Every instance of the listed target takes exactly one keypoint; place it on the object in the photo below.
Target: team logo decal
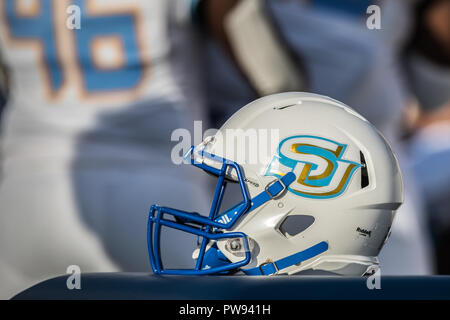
(317, 163)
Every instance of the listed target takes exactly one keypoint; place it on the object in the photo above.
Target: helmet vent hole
(364, 172)
(295, 224)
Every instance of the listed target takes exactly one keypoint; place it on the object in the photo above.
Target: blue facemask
(215, 226)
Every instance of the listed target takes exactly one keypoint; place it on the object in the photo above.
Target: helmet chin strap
(273, 267)
(272, 191)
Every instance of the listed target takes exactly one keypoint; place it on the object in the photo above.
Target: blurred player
(86, 132)
(3, 87)
(341, 58)
(428, 69)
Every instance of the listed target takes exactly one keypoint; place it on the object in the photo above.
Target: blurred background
(88, 115)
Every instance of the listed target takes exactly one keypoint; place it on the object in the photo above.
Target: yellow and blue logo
(317, 163)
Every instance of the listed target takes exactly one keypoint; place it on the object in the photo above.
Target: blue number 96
(107, 45)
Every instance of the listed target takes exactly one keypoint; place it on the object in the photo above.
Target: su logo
(317, 163)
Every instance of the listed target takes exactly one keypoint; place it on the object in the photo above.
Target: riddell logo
(363, 232)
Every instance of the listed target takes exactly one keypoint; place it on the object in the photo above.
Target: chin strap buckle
(267, 263)
(279, 193)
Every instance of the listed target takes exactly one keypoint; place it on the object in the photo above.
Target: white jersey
(86, 134)
(107, 78)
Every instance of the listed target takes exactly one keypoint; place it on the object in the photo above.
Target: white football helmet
(320, 188)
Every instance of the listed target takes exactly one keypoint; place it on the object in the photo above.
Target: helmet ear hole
(292, 225)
